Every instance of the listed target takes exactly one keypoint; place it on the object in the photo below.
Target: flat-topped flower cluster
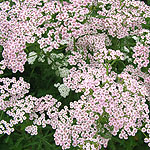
(97, 37)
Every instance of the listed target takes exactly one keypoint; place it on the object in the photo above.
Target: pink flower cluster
(26, 22)
(77, 125)
(141, 55)
(11, 91)
(20, 107)
(12, 88)
(15, 32)
(120, 17)
(118, 97)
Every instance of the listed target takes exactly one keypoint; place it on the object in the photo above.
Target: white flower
(64, 42)
(57, 84)
(45, 50)
(63, 72)
(136, 38)
(127, 57)
(49, 61)
(41, 58)
(60, 56)
(48, 49)
(126, 49)
(63, 90)
(32, 57)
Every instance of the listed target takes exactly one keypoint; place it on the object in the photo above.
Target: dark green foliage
(133, 143)
(20, 140)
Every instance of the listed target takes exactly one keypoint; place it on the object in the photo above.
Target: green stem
(143, 133)
(107, 68)
(1, 115)
(32, 55)
(114, 62)
(31, 74)
(74, 42)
